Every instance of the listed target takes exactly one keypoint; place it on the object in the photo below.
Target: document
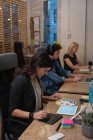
(83, 70)
(67, 109)
(56, 136)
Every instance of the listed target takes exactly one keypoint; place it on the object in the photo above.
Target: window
(50, 21)
(13, 24)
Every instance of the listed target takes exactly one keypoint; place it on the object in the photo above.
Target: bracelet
(31, 115)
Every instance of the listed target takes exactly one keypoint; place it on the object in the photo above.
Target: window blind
(13, 24)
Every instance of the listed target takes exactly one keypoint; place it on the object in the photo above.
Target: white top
(38, 94)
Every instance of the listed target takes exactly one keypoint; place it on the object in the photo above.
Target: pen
(58, 127)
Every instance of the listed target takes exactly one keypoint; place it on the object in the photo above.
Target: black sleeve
(18, 88)
(75, 58)
(66, 56)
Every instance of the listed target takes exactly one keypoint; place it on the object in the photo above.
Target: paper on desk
(56, 136)
(67, 110)
(83, 70)
(65, 101)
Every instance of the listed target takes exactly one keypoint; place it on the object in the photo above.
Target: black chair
(44, 44)
(1, 128)
(8, 62)
(40, 50)
(18, 48)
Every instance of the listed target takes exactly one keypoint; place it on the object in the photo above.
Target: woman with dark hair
(25, 101)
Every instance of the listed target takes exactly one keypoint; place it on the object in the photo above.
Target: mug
(90, 64)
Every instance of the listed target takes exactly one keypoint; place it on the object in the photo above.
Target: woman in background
(71, 61)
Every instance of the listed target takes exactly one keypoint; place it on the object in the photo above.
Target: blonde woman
(71, 62)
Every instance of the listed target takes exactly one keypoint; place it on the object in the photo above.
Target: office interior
(37, 23)
(70, 20)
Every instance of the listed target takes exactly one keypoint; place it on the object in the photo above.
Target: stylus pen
(58, 127)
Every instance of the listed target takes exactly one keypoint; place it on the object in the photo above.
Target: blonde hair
(71, 46)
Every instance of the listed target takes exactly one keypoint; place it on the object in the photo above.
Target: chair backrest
(8, 62)
(1, 127)
(40, 50)
(18, 48)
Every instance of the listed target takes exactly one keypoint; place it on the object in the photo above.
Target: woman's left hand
(54, 97)
(77, 78)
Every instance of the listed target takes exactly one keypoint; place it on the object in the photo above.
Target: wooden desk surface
(41, 131)
(75, 87)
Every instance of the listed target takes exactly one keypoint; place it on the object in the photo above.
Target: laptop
(86, 80)
(86, 71)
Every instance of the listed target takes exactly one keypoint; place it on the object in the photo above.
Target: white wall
(89, 31)
(34, 8)
(73, 21)
(70, 19)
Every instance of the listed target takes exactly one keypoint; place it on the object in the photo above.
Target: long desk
(75, 87)
(41, 131)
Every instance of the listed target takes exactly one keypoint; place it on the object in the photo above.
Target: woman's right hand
(77, 78)
(54, 97)
(39, 115)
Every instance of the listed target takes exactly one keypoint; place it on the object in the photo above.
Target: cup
(90, 64)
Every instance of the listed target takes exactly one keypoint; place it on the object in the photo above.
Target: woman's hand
(40, 115)
(84, 67)
(77, 78)
(54, 97)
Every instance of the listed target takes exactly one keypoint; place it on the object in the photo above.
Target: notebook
(53, 118)
(56, 136)
(67, 109)
(83, 70)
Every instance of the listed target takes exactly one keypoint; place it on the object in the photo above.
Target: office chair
(8, 63)
(18, 48)
(40, 50)
(1, 125)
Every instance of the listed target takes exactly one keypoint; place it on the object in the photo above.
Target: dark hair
(52, 48)
(42, 60)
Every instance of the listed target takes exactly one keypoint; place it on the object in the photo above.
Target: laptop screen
(88, 79)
